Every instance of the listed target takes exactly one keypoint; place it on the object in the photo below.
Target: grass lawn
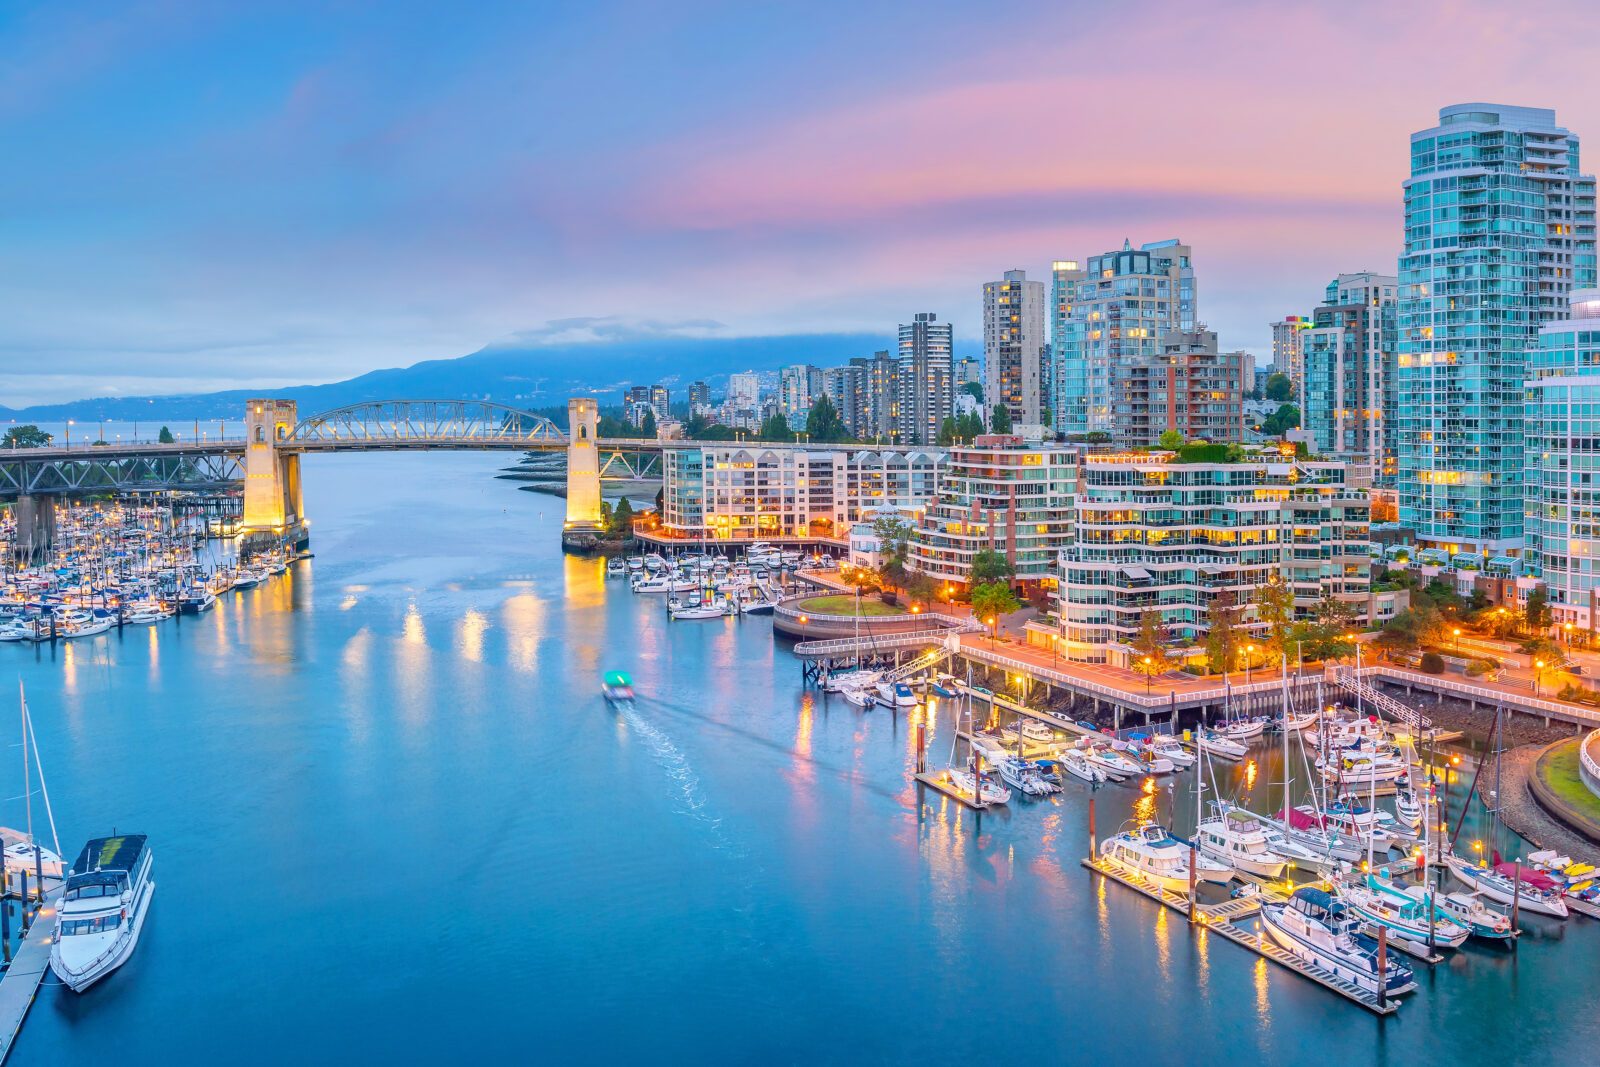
(845, 604)
(1559, 772)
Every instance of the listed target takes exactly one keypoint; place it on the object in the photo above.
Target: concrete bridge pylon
(583, 466)
(272, 495)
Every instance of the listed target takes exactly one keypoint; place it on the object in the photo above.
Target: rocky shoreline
(1522, 813)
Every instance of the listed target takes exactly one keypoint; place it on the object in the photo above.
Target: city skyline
(231, 201)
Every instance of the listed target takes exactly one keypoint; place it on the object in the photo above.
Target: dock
(20, 983)
(1222, 917)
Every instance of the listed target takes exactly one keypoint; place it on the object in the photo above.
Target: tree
(1223, 636)
(1170, 439)
(894, 542)
(1280, 422)
(1275, 607)
(1537, 610)
(29, 436)
(1000, 419)
(165, 437)
(1279, 387)
(775, 428)
(1150, 655)
(974, 390)
(647, 428)
(621, 521)
(1432, 663)
(991, 602)
(949, 430)
(823, 422)
(920, 587)
(970, 426)
(990, 566)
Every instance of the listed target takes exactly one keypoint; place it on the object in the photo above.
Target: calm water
(394, 821)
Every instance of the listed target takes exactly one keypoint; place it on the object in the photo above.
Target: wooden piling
(1383, 965)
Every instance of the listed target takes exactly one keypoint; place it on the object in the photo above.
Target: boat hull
(78, 981)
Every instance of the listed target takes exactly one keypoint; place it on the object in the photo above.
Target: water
(394, 821)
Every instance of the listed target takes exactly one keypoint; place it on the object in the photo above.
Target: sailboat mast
(27, 780)
(1286, 778)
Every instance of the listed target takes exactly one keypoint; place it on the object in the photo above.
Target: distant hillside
(529, 377)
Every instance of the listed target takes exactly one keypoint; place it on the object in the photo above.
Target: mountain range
(528, 376)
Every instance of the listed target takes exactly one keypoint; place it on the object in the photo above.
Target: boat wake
(693, 801)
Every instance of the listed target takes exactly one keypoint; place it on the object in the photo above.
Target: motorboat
(970, 783)
(860, 694)
(1074, 763)
(1240, 843)
(1149, 762)
(1222, 747)
(655, 583)
(943, 685)
(1025, 776)
(1152, 853)
(196, 601)
(837, 681)
(103, 909)
(144, 613)
(76, 622)
(1033, 730)
(1292, 851)
(1537, 893)
(1359, 767)
(1170, 748)
(617, 688)
(1402, 910)
(1115, 764)
(1408, 810)
(1321, 931)
(616, 567)
(1482, 919)
(896, 694)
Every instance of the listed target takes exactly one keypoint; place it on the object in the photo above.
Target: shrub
(1432, 663)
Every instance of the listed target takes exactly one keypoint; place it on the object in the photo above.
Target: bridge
(266, 460)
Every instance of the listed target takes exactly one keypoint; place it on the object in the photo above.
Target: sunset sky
(203, 195)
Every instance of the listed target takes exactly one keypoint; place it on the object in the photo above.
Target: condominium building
(758, 492)
(923, 374)
(1114, 309)
(841, 386)
(1189, 387)
(798, 388)
(1154, 533)
(1014, 349)
(1500, 226)
(699, 398)
(1286, 346)
(877, 402)
(1002, 495)
(1348, 354)
(741, 408)
(1562, 503)
(968, 371)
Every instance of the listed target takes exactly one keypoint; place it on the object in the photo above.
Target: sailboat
(22, 850)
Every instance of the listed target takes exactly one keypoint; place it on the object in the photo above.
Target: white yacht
(1076, 764)
(1499, 885)
(1170, 748)
(1242, 729)
(103, 909)
(1153, 854)
(1217, 745)
(1321, 931)
(1241, 843)
(967, 782)
(896, 695)
(22, 853)
(1025, 776)
(1114, 763)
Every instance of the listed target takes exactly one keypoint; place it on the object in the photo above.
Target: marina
(795, 803)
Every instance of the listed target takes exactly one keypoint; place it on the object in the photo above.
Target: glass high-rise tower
(1500, 226)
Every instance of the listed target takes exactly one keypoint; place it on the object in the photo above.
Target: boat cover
(1538, 879)
(618, 678)
(110, 854)
(1301, 821)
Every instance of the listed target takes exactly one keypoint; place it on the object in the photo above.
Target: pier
(20, 983)
(1221, 918)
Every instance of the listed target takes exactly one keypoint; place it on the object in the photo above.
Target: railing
(908, 639)
(1345, 678)
(1587, 764)
(1561, 709)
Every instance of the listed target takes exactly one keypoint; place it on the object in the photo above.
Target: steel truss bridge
(387, 425)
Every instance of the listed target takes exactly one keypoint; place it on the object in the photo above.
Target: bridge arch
(422, 422)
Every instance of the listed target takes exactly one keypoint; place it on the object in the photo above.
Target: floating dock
(20, 984)
(1221, 917)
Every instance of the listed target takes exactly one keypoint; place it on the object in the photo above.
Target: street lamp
(1249, 654)
(1149, 666)
(1457, 633)
(992, 631)
(1538, 669)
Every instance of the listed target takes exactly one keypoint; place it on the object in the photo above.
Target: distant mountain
(531, 376)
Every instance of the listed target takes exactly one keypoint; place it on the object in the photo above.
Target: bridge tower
(272, 501)
(583, 466)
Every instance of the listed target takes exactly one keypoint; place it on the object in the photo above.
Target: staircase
(918, 665)
(1346, 679)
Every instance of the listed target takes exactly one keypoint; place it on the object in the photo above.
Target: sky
(215, 195)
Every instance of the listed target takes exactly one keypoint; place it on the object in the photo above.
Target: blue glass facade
(1499, 228)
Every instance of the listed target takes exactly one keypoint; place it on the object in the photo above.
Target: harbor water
(394, 821)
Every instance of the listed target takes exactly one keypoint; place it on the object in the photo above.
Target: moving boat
(1153, 854)
(617, 688)
(1404, 911)
(1321, 931)
(103, 909)
(1241, 843)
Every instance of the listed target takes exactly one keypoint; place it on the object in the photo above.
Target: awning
(1136, 572)
(1212, 568)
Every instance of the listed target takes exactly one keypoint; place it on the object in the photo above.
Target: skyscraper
(922, 378)
(1117, 308)
(1347, 368)
(877, 402)
(1562, 503)
(1190, 387)
(798, 388)
(1500, 226)
(699, 398)
(1286, 346)
(1014, 349)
